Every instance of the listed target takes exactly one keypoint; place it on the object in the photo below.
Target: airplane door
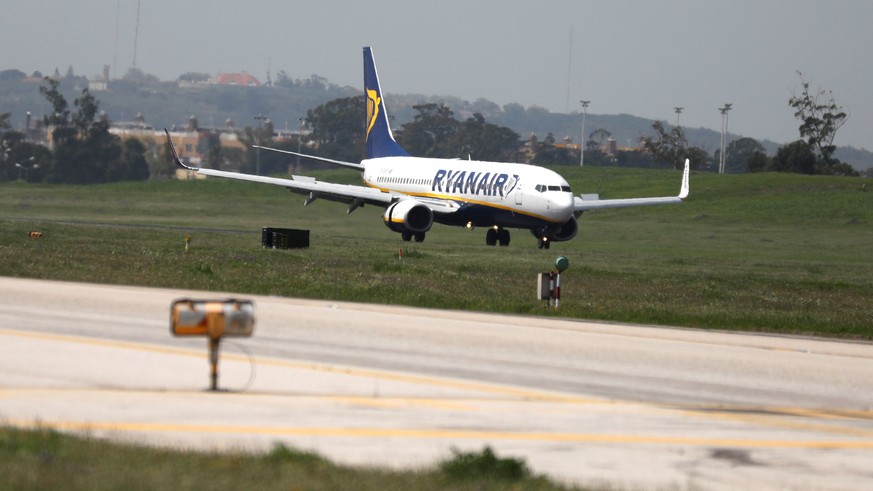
(518, 194)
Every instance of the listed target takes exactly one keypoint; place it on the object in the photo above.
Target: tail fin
(380, 140)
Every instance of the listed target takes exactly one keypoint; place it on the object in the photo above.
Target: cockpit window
(542, 188)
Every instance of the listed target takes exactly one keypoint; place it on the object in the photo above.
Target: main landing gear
(497, 235)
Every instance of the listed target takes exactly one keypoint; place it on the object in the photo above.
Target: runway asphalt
(637, 406)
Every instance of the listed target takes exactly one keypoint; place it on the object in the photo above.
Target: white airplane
(418, 192)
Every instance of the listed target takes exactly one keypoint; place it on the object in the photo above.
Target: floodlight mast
(724, 125)
(259, 137)
(582, 143)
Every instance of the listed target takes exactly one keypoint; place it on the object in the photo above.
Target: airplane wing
(580, 204)
(354, 196)
(343, 193)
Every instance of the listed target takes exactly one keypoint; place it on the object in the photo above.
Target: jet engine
(558, 233)
(566, 231)
(408, 216)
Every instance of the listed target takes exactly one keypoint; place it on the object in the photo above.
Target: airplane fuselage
(488, 193)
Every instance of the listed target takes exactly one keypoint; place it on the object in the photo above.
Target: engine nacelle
(558, 233)
(409, 216)
(566, 231)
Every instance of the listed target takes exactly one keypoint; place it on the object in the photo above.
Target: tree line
(435, 132)
(83, 150)
(813, 153)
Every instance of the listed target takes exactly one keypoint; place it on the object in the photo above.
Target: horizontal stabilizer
(342, 163)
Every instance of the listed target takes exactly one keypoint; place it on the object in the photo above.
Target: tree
(820, 118)
(36, 158)
(758, 162)
(137, 76)
(666, 147)
(429, 133)
(60, 115)
(797, 157)
(738, 153)
(597, 138)
(194, 77)
(699, 158)
(338, 128)
(134, 152)
(434, 132)
(548, 154)
(671, 147)
(484, 141)
(84, 149)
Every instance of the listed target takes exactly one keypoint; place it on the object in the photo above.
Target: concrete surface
(583, 402)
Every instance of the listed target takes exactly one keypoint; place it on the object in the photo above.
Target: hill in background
(167, 104)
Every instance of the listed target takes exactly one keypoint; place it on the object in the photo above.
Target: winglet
(174, 154)
(683, 193)
(380, 139)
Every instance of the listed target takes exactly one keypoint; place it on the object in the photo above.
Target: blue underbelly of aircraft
(487, 216)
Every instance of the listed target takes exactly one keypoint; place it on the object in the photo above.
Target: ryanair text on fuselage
(473, 183)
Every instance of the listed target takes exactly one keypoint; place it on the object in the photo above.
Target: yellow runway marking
(521, 393)
(399, 402)
(780, 419)
(770, 417)
(102, 343)
(426, 433)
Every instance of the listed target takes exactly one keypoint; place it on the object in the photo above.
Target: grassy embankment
(45, 459)
(763, 252)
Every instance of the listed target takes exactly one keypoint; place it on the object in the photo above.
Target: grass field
(44, 459)
(762, 252)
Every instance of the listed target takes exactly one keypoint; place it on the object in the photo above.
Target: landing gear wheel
(491, 237)
(419, 237)
(406, 236)
(543, 243)
(503, 237)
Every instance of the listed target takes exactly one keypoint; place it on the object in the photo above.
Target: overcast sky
(640, 57)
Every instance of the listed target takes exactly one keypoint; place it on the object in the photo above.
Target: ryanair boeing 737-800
(418, 192)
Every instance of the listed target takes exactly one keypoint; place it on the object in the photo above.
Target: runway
(581, 402)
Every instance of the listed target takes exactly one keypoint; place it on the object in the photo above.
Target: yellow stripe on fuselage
(449, 197)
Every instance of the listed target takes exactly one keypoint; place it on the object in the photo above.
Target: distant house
(241, 79)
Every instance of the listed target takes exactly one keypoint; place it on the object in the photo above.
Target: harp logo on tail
(373, 102)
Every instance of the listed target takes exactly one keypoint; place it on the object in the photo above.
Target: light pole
(300, 126)
(678, 110)
(724, 124)
(582, 143)
(26, 168)
(260, 118)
